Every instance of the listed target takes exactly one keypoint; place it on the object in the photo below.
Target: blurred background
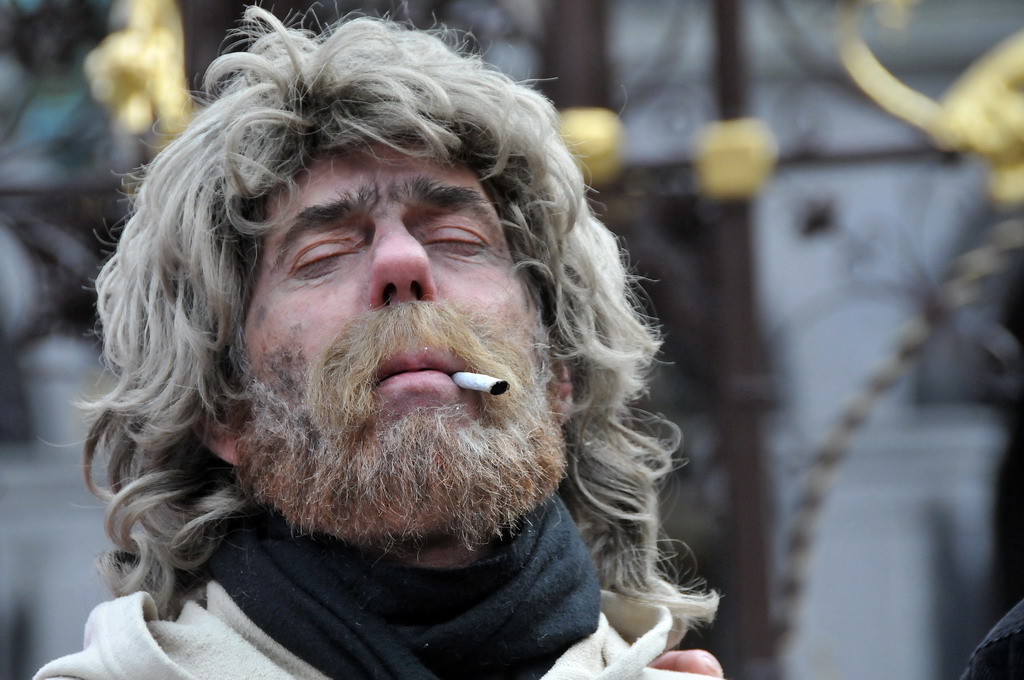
(797, 180)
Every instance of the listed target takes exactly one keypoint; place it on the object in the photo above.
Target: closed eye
(319, 258)
(464, 240)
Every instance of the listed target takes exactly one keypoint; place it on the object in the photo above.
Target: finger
(695, 661)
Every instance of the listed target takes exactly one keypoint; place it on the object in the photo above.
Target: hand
(690, 661)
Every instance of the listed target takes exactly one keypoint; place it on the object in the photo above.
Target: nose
(400, 269)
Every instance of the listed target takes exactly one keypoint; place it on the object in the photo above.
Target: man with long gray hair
(374, 360)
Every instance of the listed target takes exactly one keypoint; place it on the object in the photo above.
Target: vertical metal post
(206, 25)
(575, 52)
(741, 387)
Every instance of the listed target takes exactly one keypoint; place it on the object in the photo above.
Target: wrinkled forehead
(372, 178)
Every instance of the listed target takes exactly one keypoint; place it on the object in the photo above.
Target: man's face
(364, 233)
(383, 277)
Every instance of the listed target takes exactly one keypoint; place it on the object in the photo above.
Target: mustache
(342, 380)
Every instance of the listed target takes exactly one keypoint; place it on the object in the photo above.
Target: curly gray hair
(172, 299)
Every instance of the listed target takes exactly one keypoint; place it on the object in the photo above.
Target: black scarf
(510, 615)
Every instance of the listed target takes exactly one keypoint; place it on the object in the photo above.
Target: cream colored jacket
(124, 640)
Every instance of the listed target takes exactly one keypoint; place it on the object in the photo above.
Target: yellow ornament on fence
(982, 113)
(138, 72)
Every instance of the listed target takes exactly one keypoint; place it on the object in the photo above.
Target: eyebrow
(423, 191)
(319, 217)
(441, 196)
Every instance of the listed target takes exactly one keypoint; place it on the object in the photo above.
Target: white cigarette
(480, 382)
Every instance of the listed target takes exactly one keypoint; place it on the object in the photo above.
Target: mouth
(415, 362)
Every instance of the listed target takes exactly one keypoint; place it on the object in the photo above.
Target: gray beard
(320, 448)
(426, 475)
(429, 474)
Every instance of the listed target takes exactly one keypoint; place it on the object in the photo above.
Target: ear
(563, 391)
(220, 438)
